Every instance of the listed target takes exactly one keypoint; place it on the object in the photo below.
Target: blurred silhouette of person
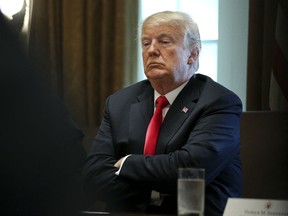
(40, 148)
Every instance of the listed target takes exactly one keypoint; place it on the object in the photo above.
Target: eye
(165, 42)
(145, 43)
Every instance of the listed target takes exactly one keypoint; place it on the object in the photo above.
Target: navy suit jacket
(205, 136)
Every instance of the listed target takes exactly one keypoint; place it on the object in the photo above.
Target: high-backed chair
(264, 151)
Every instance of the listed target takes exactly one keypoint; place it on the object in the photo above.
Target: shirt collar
(171, 96)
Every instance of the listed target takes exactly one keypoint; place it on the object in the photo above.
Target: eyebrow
(159, 36)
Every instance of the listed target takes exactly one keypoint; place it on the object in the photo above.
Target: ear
(193, 56)
(190, 60)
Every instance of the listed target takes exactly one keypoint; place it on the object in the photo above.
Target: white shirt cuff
(118, 172)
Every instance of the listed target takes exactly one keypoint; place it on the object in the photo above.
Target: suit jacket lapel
(140, 114)
(179, 111)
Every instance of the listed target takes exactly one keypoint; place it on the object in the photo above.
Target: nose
(153, 49)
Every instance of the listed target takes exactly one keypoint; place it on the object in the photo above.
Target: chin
(155, 74)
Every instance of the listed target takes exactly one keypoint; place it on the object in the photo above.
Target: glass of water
(191, 191)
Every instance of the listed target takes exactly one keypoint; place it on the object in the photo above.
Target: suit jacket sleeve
(101, 182)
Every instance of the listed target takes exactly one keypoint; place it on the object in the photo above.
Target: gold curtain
(81, 46)
(267, 75)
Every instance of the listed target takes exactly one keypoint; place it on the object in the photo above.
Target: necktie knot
(162, 102)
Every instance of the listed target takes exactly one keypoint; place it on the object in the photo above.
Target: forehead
(156, 30)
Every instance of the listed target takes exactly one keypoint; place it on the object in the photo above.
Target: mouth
(154, 65)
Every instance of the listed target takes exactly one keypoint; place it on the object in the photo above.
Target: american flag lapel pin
(185, 109)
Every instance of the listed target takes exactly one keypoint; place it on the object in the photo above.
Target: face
(165, 57)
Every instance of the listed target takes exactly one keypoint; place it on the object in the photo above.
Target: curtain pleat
(260, 40)
(81, 47)
(261, 92)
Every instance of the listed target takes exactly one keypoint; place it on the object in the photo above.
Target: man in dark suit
(200, 128)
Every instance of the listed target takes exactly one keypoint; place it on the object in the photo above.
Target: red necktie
(154, 126)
